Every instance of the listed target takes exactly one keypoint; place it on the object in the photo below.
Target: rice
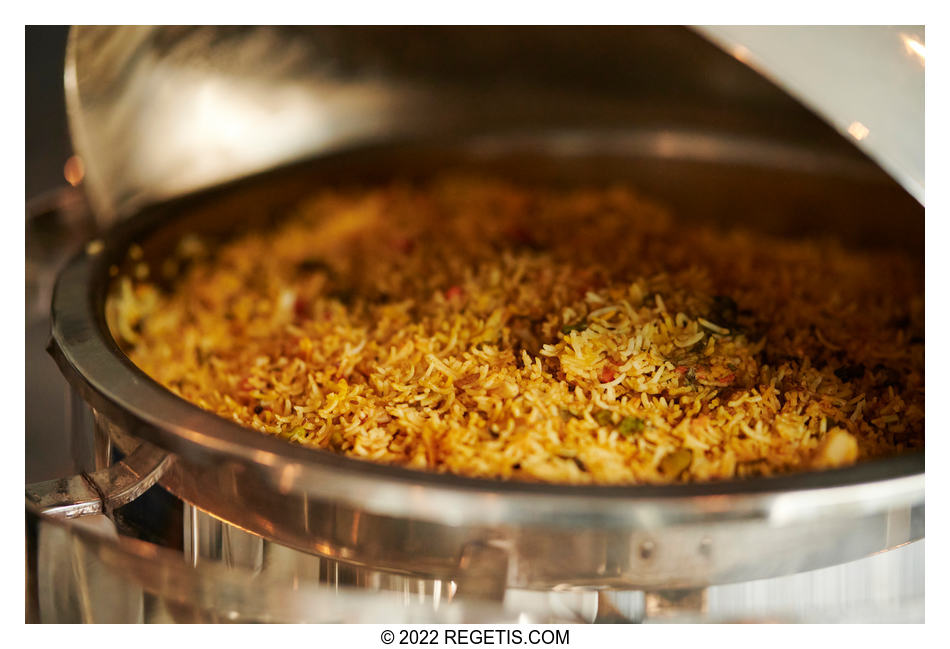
(487, 329)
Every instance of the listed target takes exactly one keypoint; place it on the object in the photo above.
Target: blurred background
(47, 136)
(47, 150)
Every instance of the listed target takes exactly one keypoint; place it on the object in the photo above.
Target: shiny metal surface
(867, 81)
(102, 491)
(88, 573)
(885, 587)
(235, 576)
(157, 112)
(552, 536)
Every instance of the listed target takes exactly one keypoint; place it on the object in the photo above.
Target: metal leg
(102, 491)
(83, 441)
(102, 444)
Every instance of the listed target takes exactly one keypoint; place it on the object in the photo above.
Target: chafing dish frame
(539, 536)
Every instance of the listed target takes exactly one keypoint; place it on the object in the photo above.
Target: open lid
(157, 112)
(867, 82)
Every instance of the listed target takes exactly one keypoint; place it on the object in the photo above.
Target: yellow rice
(488, 329)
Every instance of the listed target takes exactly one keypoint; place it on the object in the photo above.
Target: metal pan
(492, 533)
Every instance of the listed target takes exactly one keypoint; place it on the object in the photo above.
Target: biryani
(485, 328)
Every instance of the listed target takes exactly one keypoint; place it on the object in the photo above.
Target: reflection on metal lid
(875, 73)
(858, 130)
(914, 46)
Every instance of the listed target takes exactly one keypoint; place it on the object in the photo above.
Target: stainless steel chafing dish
(187, 129)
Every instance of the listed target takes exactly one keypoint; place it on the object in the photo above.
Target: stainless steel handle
(102, 491)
